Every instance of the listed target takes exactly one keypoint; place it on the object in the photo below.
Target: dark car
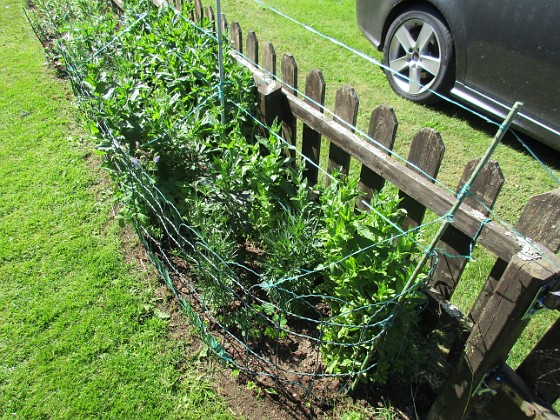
(489, 54)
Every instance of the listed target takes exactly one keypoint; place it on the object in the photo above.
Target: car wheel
(419, 56)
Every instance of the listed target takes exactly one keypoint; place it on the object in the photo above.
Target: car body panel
(505, 52)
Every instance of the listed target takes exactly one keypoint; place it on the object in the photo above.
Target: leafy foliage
(367, 263)
(260, 247)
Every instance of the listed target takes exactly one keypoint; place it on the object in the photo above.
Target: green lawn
(80, 333)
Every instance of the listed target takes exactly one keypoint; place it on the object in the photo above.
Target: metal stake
(462, 195)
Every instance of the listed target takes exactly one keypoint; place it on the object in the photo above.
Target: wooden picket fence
(521, 282)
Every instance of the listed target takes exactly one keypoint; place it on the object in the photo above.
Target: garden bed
(276, 266)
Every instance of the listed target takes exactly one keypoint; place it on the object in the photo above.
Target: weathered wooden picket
(521, 280)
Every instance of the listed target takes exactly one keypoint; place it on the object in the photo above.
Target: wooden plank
(426, 154)
(531, 222)
(209, 14)
(198, 11)
(491, 339)
(538, 221)
(346, 113)
(252, 48)
(455, 247)
(315, 88)
(289, 70)
(236, 35)
(489, 286)
(225, 26)
(269, 58)
(270, 104)
(383, 126)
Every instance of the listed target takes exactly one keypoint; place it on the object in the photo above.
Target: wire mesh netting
(281, 279)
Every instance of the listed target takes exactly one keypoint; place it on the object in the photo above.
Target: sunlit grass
(80, 332)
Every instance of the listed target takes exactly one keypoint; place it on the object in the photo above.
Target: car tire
(419, 56)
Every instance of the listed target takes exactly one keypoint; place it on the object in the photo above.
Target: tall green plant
(260, 249)
(366, 264)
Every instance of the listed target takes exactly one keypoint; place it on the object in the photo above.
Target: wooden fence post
(426, 153)
(315, 88)
(198, 11)
(270, 104)
(225, 26)
(269, 58)
(491, 339)
(237, 36)
(289, 78)
(289, 69)
(253, 48)
(538, 221)
(209, 14)
(383, 129)
(346, 111)
(455, 246)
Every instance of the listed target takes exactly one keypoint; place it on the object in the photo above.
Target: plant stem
(221, 59)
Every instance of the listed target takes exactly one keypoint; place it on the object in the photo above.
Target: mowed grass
(465, 135)
(80, 332)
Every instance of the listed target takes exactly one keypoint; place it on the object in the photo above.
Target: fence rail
(525, 277)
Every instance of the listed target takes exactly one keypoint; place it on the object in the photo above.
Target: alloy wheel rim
(415, 56)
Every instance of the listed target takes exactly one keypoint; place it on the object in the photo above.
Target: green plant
(260, 248)
(366, 265)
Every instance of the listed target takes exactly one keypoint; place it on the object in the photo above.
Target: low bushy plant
(261, 249)
(367, 262)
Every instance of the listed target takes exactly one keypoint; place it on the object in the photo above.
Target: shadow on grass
(545, 154)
